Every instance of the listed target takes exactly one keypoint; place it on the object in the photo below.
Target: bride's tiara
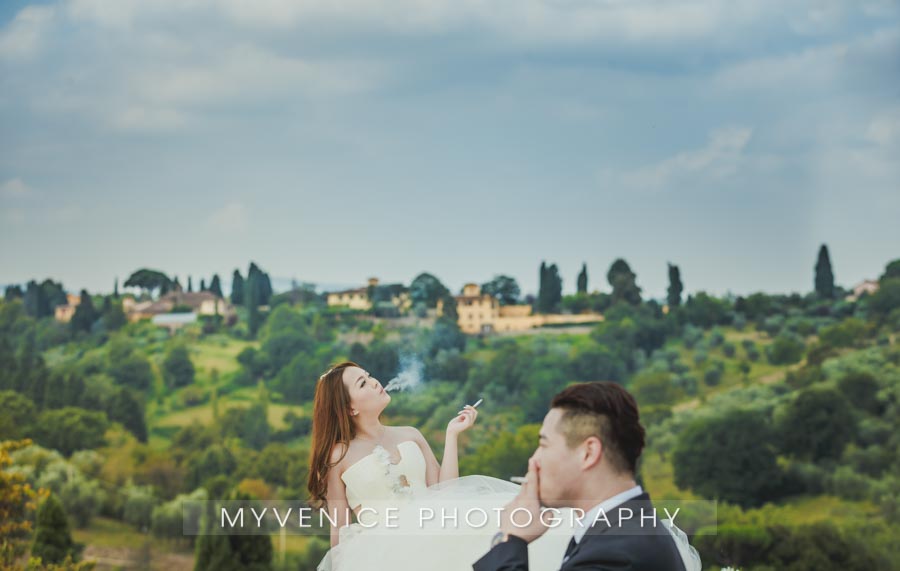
(325, 374)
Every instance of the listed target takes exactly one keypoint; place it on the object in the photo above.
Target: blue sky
(333, 141)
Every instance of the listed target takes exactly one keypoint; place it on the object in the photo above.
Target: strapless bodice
(374, 478)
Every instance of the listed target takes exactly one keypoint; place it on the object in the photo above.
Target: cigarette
(518, 479)
(473, 406)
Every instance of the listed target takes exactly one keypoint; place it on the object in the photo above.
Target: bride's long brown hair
(331, 425)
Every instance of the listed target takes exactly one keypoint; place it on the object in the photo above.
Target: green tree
(817, 425)
(149, 280)
(848, 333)
(33, 300)
(85, 315)
(125, 408)
(427, 289)
(70, 428)
(255, 431)
(215, 285)
(233, 552)
(258, 281)
(113, 317)
(728, 457)
(13, 292)
(504, 288)
(785, 350)
(675, 287)
(549, 299)
(623, 282)
(892, 270)
(654, 387)
(252, 291)
(210, 462)
(596, 362)
(178, 370)
(41, 299)
(18, 415)
(582, 281)
(131, 370)
(237, 288)
(449, 312)
(886, 300)
(824, 280)
(52, 537)
(861, 389)
(704, 310)
(505, 455)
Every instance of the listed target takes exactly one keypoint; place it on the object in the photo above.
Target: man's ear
(592, 452)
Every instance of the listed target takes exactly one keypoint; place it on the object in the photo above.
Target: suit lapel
(599, 527)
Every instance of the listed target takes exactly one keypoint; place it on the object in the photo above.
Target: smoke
(410, 375)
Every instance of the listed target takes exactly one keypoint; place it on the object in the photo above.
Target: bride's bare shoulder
(409, 433)
(339, 454)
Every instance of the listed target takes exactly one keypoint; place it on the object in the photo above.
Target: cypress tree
(824, 276)
(675, 287)
(85, 315)
(583, 279)
(541, 301)
(554, 289)
(52, 537)
(237, 288)
(251, 302)
(215, 285)
(125, 408)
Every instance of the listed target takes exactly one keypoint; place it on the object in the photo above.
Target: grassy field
(116, 546)
(204, 413)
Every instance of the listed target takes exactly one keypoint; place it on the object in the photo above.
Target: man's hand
(522, 516)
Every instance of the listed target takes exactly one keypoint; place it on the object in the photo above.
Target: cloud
(161, 84)
(249, 72)
(720, 158)
(13, 188)
(814, 68)
(136, 117)
(23, 37)
(884, 129)
(229, 218)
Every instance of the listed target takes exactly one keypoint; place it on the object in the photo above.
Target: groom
(589, 445)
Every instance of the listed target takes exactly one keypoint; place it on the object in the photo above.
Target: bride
(408, 507)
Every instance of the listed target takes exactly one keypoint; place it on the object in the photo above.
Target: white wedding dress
(406, 525)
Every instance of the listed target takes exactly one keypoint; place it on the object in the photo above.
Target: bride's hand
(464, 421)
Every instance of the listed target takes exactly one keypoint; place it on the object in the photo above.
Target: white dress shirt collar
(606, 506)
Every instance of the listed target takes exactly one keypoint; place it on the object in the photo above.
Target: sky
(330, 142)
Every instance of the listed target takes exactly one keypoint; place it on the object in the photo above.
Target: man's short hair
(607, 411)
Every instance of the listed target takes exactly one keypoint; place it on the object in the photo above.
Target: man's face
(560, 465)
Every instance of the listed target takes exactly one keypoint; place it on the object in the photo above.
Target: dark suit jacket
(624, 544)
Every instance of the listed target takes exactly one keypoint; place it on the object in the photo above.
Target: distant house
(196, 304)
(867, 287)
(482, 313)
(173, 321)
(64, 313)
(362, 298)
